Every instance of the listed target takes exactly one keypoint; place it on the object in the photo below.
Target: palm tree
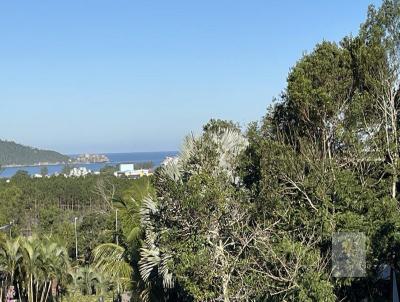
(151, 259)
(10, 256)
(55, 265)
(87, 279)
(121, 264)
(227, 143)
(74, 276)
(129, 208)
(31, 263)
(113, 262)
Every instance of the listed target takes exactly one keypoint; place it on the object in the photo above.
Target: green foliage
(217, 125)
(108, 170)
(119, 262)
(94, 229)
(112, 261)
(11, 209)
(48, 206)
(78, 297)
(318, 89)
(87, 281)
(32, 265)
(144, 165)
(252, 218)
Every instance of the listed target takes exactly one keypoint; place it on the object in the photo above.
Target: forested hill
(12, 153)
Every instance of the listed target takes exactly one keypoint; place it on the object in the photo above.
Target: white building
(128, 170)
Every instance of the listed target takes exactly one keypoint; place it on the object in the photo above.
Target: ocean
(115, 159)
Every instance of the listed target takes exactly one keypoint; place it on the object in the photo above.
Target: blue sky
(113, 76)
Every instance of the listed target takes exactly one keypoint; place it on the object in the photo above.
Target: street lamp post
(76, 240)
(11, 224)
(116, 225)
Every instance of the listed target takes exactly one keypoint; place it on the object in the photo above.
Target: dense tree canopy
(251, 218)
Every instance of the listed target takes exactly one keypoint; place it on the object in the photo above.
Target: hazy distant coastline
(80, 159)
(114, 159)
(35, 165)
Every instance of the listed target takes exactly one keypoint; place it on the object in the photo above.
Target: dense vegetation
(15, 154)
(49, 206)
(34, 265)
(247, 215)
(52, 207)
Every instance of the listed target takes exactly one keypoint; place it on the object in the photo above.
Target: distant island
(14, 154)
(91, 158)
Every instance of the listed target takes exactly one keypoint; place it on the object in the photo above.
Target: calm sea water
(115, 159)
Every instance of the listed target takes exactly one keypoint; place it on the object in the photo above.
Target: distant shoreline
(51, 164)
(44, 164)
(56, 167)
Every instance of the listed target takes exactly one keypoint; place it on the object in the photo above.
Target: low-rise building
(128, 170)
